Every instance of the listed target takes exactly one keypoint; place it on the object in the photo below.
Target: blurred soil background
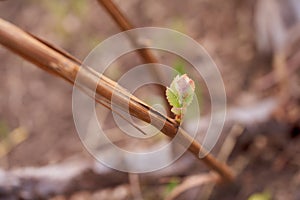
(36, 108)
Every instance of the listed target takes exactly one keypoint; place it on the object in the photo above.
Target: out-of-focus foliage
(173, 183)
(179, 66)
(260, 196)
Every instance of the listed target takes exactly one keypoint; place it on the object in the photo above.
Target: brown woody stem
(60, 63)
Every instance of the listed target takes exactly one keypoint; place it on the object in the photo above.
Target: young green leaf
(172, 98)
(180, 95)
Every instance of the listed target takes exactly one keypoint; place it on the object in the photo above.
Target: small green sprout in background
(260, 196)
(180, 95)
(172, 184)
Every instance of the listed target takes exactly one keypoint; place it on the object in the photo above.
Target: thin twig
(192, 182)
(135, 186)
(50, 59)
(148, 57)
(125, 25)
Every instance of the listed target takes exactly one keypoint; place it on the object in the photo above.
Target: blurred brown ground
(41, 103)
